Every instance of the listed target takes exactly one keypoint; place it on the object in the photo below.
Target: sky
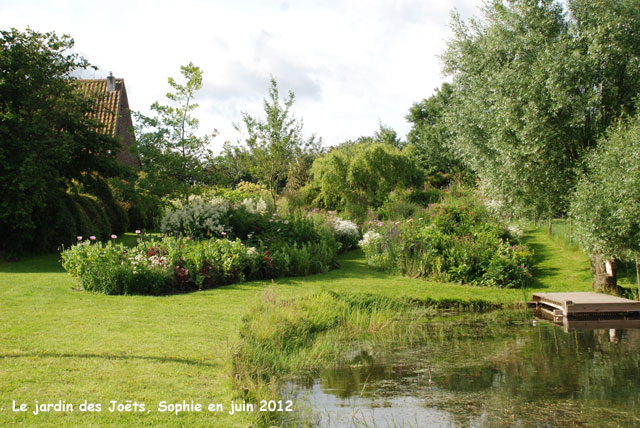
(351, 64)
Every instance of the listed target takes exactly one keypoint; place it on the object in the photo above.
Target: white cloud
(350, 63)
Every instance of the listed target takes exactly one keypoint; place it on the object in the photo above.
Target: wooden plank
(602, 307)
(599, 324)
(586, 302)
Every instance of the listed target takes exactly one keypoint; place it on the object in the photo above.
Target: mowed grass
(61, 343)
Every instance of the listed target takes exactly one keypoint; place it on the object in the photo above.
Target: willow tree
(534, 89)
(606, 204)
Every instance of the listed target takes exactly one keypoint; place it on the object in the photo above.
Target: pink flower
(79, 238)
(93, 238)
(114, 236)
(188, 238)
(138, 232)
(224, 233)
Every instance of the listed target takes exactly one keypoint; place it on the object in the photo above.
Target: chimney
(111, 83)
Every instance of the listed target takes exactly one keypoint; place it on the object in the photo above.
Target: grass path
(60, 343)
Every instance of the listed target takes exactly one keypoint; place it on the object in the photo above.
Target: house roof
(106, 112)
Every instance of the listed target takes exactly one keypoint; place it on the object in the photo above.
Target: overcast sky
(351, 64)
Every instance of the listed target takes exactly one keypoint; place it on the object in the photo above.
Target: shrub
(113, 269)
(200, 218)
(61, 228)
(83, 224)
(118, 218)
(455, 244)
(101, 227)
(142, 205)
(180, 264)
(346, 233)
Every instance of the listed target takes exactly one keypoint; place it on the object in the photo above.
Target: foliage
(533, 90)
(459, 244)
(170, 149)
(199, 218)
(431, 135)
(606, 203)
(361, 175)
(118, 218)
(141, 204)
(346, 233)
(113, 269)
(275, 144)
(46, 134)
(99, 221)
(182, 264)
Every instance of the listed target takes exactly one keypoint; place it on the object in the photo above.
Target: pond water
(487, 370)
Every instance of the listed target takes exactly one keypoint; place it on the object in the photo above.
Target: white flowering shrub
(515, 231)
(199, 218)
(370, 242)
(255, 207)
(346, 232)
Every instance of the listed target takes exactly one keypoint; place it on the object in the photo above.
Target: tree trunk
(638, 276)
(535, 220)
(605, 278)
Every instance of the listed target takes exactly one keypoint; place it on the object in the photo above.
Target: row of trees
(535, 87)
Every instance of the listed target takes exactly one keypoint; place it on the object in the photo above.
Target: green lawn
(61, 343)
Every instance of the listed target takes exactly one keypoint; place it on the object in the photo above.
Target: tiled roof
(106, 112)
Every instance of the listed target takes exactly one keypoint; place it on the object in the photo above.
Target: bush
(200, 218)
(457, 244)
(142, 206)
(118, 218)
(83, 224)
(113, 269)
(100, 225)
(180, 264)
(59, 226)
(346, 233)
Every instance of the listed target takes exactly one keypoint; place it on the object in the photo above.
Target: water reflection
(486, 370)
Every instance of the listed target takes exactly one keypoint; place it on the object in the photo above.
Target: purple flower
(92, 237)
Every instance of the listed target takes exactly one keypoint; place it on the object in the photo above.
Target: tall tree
(46, 136)
(534, 89)
(275, 142)
(430, 134)
(507, 127)
(170, 149)
(607, 202)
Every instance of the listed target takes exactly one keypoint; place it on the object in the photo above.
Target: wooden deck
(585, 304)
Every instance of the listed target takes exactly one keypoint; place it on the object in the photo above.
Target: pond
(482, 370)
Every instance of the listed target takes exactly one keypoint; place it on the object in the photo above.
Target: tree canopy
(275, 143)
(171, 150)
(430, 134)
(361, 174)
(606, 204)
(534, 88)
(46, 135)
